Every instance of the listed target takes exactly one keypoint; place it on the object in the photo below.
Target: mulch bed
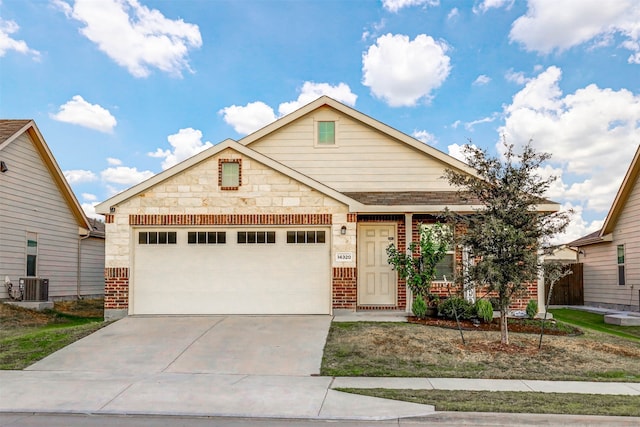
(524, 326)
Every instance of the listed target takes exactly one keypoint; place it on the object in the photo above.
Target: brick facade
(116, 288)
(344, 288)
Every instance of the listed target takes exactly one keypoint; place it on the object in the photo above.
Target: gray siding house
(44, 232)
(611, 256)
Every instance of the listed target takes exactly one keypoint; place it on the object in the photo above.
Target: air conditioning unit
(34, 288)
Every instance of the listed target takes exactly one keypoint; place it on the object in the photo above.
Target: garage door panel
(232, 278)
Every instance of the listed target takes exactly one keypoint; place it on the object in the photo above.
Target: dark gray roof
(8, 128)
(399, 198)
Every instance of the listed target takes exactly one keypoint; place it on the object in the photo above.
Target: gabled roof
(363, 118)
(105, 206)
(10, 130)
(589, 239)
(630, 179)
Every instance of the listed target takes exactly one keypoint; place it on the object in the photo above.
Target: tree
(552, 273)
(419, 269)
(503, 235)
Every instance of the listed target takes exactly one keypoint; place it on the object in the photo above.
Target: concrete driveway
(248, 345)
(243, 366)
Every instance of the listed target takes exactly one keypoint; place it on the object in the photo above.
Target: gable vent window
(229, 174)
(305, 237)
(326, 133)
(255, 237)
(157, 237)
(621, 277)
(207, 237)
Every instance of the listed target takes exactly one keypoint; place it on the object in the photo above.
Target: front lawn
(411, 350)
(513, 401)
(594, 321)
(27, 336)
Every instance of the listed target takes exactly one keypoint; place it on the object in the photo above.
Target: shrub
(532, 308)
(450, 306)
(419, 307)
(484, 310)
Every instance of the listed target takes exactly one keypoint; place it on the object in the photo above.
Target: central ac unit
(35, 288)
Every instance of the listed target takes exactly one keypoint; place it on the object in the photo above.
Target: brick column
(344, 288)
(116, 292)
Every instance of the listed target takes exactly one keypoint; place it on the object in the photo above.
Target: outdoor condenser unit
(35, 288)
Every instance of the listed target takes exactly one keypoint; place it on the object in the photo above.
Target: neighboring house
(562, 253)
(294, 218)
(44, 232)
(611, 256)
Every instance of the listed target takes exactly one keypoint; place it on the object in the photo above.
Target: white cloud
(396, 5)
(454, 13)
(516, 77)
(185, 144)
(90, 210)
(470, 125)
(77, 111)
(482, 80)
(578, 227)
(311, 91)
(550, 25)
(125, 175)
(7, 28)
(592, 135)
(79, 175)
(457, 151)
(249, 118)
(255, 115)
(485, 5)
(134, 36)
(402, 72)
(113, 161)
(424, 136)
(89, 197)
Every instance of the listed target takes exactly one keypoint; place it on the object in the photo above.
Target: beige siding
(363, 159)
(92, 266)
(30, 201)
(600, 263)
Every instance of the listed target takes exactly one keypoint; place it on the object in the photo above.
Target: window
(229, 174)
(253, 237)
(444, 269)
(305, 236)
(207, 237)
(326, 133)
(621, 278)
(32, 254)
(157, 237)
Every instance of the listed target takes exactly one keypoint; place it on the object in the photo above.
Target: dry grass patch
(408, 350)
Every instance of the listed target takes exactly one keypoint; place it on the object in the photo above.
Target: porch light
(3, 167)
(343, 230)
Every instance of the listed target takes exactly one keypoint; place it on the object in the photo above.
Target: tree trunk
(504, 332)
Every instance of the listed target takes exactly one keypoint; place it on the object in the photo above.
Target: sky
(123, 89)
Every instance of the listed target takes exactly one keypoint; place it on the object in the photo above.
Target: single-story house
(44, 233)
(611, 255)
(293, 218)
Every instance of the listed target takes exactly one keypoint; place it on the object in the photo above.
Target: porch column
(408, 235)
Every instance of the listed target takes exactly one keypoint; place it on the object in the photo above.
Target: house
(292, 219)
(611, 255)
(44, 233)
(563, 254)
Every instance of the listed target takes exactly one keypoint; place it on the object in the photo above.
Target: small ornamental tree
(504, 234)
(420, 269)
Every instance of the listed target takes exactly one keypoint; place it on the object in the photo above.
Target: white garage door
(231, 271)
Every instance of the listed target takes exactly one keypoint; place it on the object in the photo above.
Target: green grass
(513, 402)
(27, 336)
(595, 321)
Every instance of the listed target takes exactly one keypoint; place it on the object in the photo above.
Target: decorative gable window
(326, 133)
(229, 174)
(621, 278)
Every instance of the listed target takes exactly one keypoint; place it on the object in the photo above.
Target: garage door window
(309, 236)
(157, 238)
(207, 237)
(256, 237)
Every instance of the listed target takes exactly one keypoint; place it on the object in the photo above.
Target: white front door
(377, 283)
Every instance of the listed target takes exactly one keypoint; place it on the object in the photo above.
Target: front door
(377, 282)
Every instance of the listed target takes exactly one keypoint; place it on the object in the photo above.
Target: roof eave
(630, 178)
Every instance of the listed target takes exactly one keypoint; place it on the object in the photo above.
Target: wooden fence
(569, 290)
